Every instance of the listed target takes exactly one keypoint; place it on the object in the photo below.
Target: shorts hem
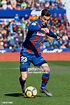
(41, 63)
(23, 70)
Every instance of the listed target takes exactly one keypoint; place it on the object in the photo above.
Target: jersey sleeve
(34, 26)
(51, 34)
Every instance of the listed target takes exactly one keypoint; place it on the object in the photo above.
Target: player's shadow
(14, 94)
(17, 95)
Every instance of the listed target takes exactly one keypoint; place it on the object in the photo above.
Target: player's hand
(58, 38)
(46, 30)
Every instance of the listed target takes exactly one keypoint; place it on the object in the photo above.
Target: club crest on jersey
(34, 23)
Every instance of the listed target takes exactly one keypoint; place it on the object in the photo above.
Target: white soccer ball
(31, 92)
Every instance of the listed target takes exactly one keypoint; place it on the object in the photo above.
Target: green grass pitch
(59, 85)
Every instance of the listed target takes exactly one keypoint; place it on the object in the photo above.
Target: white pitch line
(9, 68)
(30, 70)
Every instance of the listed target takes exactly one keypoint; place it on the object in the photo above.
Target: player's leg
(40, 62)
(46, 74)
(22, 79)
(45, 79)
(24, 65)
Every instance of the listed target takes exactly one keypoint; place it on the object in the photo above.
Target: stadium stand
(14, 27)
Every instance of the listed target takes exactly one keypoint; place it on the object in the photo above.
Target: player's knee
(45, 68)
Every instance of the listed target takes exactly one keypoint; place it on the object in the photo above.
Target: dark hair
(45, 12)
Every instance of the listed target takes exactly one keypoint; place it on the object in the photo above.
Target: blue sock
(45, 79)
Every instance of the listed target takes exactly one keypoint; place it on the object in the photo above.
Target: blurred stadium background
(15, 16)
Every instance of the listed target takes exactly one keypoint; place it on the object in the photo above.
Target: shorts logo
(23, 59)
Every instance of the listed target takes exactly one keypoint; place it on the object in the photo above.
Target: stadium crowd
(30, 4)
(13, 31)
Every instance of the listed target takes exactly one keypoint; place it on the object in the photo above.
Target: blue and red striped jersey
(35, 36)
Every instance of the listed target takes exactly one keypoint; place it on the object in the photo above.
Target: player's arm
(34, 26)
(50, 33)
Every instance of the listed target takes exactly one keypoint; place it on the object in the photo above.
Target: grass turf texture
(59, 85)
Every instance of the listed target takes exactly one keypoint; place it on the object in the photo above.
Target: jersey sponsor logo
(40, 34)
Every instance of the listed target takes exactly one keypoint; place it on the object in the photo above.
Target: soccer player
(30, 52)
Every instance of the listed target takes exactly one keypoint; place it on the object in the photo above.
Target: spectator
(14, 32)
(4, 4)
(16, 18)
(24, 4)
(1, 41)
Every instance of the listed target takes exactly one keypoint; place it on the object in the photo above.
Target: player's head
(45, 16)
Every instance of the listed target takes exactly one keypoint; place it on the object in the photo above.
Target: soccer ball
(30, 92)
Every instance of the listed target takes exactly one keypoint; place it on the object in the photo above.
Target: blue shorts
(27, 58)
